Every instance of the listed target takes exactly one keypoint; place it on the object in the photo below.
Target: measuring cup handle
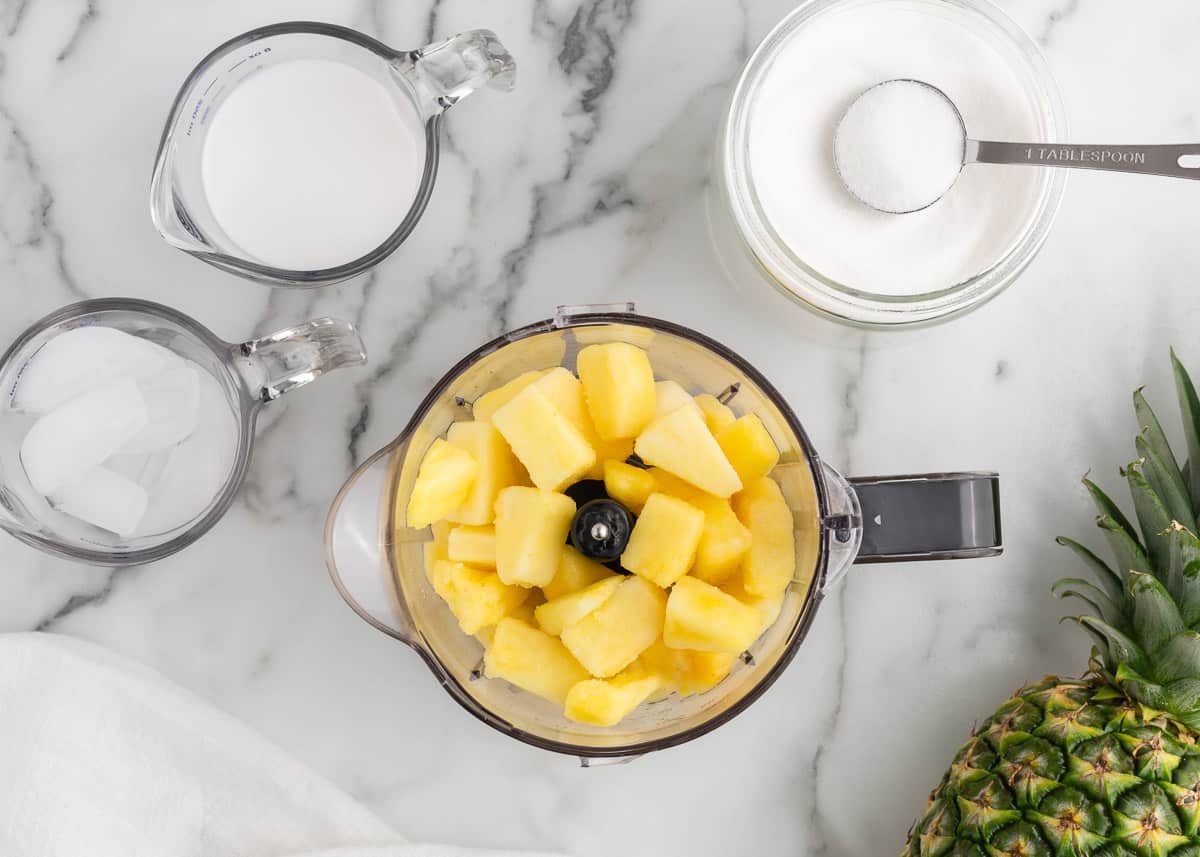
(929, 516)
(448, 71)
(291, 358)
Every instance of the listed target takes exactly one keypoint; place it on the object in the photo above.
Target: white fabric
(101, 757)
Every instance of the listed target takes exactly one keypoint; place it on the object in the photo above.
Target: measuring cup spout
(446, 72)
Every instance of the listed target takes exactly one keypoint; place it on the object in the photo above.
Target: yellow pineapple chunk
(663, 543)
(498, 469)
(749, 448)
(555, 615)
(553, 450)
(619, 385)
(524, 613)
(437, 548)
(770, 564)
(670, 395)
(681, 444)
(575, 571)
(702, 617)
(665, 483)
(628, 485)
(532, 660)
(531, 527)
(606, 702)
(723, 542)
(716, 415)
(493, 400)
(611, 637)
(474, 545)
(444, 480)
(477, 597)
(768, 609)
(565, 392)
(686, 671)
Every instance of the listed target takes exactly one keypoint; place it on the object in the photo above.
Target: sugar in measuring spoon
(901, 145)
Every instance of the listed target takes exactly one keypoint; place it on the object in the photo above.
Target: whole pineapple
(1106, 765)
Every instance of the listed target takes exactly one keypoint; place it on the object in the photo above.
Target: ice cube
(81, 434)
(144, 468)
(198, 468)
(172, 400)
(82, 359)
(104, 499)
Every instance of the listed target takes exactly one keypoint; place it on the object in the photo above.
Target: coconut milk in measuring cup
(303, 153)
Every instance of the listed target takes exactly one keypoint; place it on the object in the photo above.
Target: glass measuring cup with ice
(126, 427)
(303, 153)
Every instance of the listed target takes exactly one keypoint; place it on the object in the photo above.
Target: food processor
(376, 562)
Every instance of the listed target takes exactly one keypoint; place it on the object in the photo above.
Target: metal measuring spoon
(1176, 161)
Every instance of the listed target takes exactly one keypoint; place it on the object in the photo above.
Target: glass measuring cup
(247, 375)
(376, 562)
(424, 83)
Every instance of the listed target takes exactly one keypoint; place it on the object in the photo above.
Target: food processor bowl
(377, 564)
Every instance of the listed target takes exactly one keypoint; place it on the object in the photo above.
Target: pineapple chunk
(670, 396)
(575, 571)
(606, 702)
(702, 617)
(498, 469)
(663, 543)
(524, 613)
(555, 615)
(770, 564)
(444, 480)
(686, 671)
(681, 444)
(493, 400)
(716, 416)
(619, 385)
(611, 637)
(531, 527)
(474, 545)
(768, 609)
(565, 392)
(628, 485)
(749, 448)
(532, 660)
(551, 447)
(436, 549)
(723, 542)
(476, 596)
(665, 483)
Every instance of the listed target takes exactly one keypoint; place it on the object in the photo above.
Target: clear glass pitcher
(376, 563)
(424, 82)
(243, 378)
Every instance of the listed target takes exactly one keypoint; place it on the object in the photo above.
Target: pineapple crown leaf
(1143, 612)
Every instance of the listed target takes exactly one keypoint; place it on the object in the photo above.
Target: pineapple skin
(1067, 767)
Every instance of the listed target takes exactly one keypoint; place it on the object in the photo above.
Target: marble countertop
(586, 185)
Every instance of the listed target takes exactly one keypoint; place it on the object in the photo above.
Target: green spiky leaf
(1118, 648)
(1156, 619)
(1105, 507)
(1167, 484)
(1140, 687)
(1189, 410)
(1183, 572)
(1108, 578)
(1090, 594)
(1178, 659)
(1152, 515)
(1128, 551)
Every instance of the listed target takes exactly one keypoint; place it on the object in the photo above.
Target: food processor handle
(281, 362)
(929, 516)
(446, 72)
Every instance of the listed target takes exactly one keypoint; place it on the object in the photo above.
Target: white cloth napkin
(101, 757)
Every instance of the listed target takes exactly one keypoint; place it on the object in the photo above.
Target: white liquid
(311, 164)
(824, 65)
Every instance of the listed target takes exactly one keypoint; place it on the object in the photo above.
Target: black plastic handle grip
(929, 516)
